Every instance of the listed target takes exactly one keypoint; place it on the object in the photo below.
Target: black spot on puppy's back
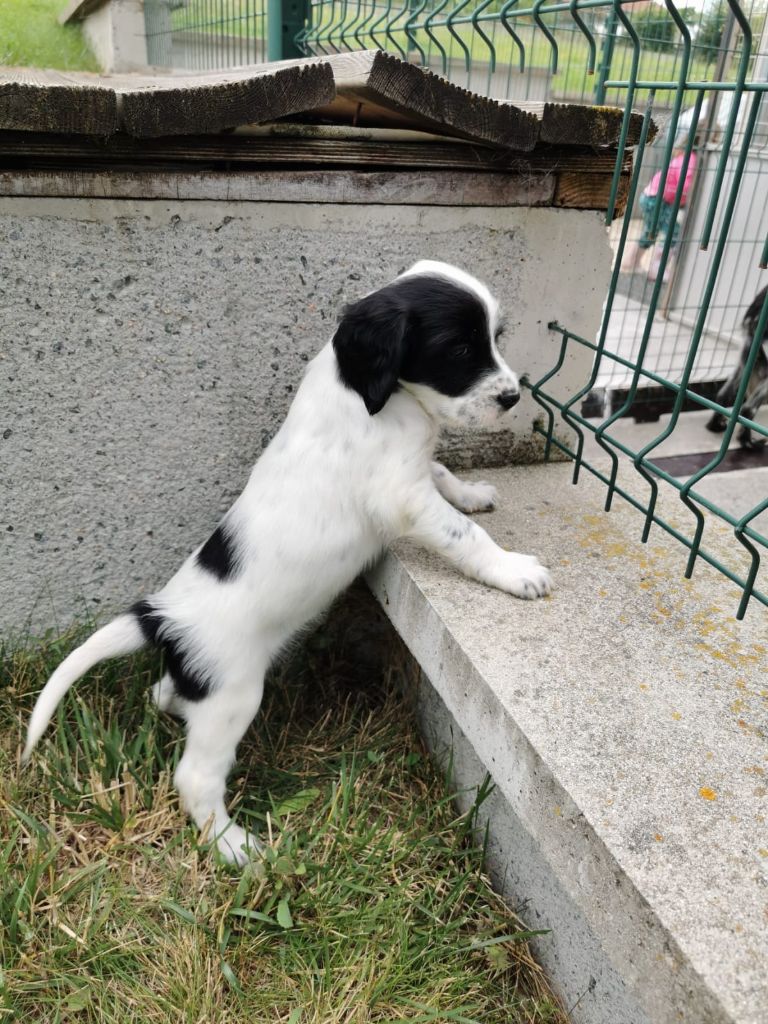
(148, 620)
(189, 683)
(217, 555)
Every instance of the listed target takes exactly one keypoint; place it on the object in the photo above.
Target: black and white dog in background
(348, 473)
(757, 390)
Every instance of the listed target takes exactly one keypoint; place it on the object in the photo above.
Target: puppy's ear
(370, 345)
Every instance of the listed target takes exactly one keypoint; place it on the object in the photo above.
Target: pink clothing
(673, 179)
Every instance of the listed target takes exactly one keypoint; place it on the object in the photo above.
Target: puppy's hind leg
(756, 396)
(215, 725)
(717, 422)
(166, 699)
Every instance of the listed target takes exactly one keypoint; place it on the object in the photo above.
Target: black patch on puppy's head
(423, 329)
(370, 346)
(450, 336)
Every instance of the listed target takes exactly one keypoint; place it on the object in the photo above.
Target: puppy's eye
(460, 351)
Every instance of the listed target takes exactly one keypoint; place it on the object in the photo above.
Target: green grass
(372, 907)
(30, 36)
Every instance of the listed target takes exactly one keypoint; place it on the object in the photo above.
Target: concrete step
(623, 722)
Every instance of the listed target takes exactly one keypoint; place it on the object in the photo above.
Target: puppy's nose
(508, 398)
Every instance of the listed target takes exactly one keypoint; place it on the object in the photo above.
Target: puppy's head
(432, 332)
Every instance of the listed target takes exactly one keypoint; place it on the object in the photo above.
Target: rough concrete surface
(149, 350)
(117, 35)
(590, 986)
(624, 721)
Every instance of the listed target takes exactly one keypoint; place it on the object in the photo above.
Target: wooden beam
(577, 124)
(264, 150)
(182, 104)
(55, 101)
(148, 106)
(579, 191)
(368, 87)
(376, 87)
(438, 188)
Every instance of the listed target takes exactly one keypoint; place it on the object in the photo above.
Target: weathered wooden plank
(154, 105)
(576, 124)
(281, 148)
(178, 105)
(369, 85)
(55, 101)
(590, 191)
(363, 88)
(439, 188)
(373, 87)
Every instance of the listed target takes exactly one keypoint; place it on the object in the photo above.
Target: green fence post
(285, 19)
(411, 44)
(606, 56)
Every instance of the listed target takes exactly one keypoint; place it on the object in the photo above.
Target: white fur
(121, 636)
(334, 488)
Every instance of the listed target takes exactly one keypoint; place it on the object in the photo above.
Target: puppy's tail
(121, 636)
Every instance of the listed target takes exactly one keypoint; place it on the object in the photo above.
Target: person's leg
(634, 248)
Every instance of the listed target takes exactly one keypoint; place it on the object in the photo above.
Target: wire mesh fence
(205, 34)
(680, 317)
(699, 307)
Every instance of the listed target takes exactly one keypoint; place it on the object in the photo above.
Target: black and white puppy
(348, 473)
(757, 390)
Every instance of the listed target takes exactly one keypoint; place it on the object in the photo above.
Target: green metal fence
(687, 267)
(676, 326)
(205, 34)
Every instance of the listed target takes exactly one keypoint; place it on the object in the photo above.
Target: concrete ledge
(623, 722)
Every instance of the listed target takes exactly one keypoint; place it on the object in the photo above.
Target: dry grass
(372, 907)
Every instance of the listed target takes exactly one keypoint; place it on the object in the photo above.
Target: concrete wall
(149, 350)
(115, 32)
(569, 949)
(97, 30)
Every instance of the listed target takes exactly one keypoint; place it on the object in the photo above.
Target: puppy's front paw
(476, 497)
(750, 443)
(716, 423)
(524, 576)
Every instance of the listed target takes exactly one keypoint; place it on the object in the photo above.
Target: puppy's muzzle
(508, 398)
